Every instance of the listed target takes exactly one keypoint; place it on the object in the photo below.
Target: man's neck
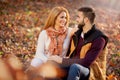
(86, 28)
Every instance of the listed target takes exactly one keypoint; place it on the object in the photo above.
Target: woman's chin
(62, 26)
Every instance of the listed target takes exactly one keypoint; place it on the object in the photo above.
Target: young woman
(54, 38)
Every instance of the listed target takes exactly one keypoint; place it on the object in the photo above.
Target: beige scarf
(57, 39)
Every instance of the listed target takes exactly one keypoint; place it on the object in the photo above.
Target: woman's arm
(40, 57)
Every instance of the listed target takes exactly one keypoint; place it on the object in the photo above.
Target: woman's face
(61, 19)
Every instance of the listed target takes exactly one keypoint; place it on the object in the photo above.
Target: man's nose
(77, 20)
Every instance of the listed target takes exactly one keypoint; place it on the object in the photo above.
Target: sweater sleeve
(91, 55)
(40, 56)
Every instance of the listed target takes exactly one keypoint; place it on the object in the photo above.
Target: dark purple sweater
(98, 44)
(96, 47)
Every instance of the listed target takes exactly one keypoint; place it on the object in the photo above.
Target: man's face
(80, 19)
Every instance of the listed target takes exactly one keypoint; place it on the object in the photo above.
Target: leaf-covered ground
(21, 21)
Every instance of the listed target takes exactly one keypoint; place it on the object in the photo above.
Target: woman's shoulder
(71, 31)
(43, 33)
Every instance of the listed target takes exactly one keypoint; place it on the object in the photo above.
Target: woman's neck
(57, 28)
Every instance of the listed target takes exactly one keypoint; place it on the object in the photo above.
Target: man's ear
(86, 20)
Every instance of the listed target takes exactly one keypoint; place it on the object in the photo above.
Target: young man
(87, 59)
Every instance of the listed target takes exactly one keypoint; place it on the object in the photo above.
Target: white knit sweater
(42, 52)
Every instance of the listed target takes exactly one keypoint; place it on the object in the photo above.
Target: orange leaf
(112, 64)
(110, 77)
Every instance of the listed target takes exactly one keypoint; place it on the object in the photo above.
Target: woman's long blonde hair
(50, 22)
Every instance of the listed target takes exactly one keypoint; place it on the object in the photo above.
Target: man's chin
(80, 25)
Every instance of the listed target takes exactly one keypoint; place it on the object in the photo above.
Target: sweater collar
(90, 32)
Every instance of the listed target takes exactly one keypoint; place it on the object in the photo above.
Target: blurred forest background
(21, 21)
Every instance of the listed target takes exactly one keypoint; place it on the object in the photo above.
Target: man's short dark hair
(88, 12)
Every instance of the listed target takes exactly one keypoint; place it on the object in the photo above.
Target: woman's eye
(63, 17)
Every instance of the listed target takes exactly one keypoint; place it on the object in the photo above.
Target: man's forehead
(80, 13)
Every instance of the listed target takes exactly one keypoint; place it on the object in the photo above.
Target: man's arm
(96, 47)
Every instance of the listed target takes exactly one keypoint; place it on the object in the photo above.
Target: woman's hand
(55, 58)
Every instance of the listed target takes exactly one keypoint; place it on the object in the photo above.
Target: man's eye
(78, 16)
